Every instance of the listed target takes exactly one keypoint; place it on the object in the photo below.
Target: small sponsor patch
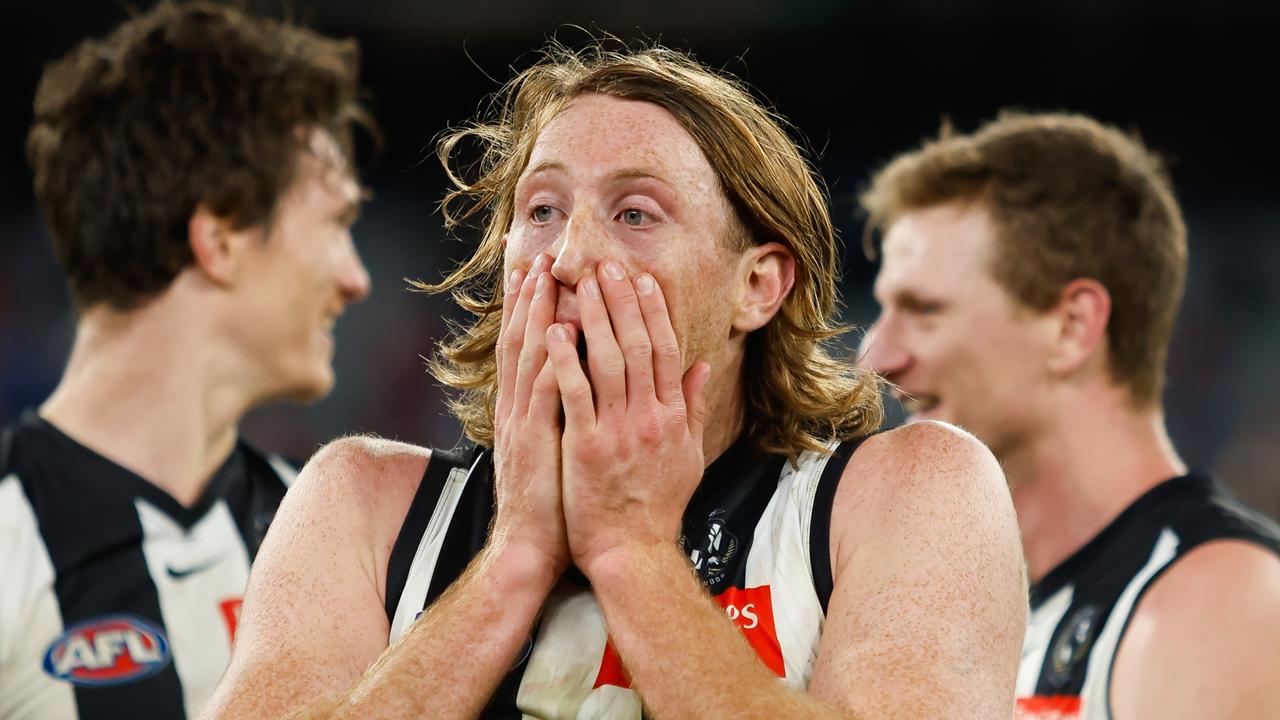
(1047, 707)
(107, 651)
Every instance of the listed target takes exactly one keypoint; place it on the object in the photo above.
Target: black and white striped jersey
(115, 600)
(1081, 609)
(756, 530)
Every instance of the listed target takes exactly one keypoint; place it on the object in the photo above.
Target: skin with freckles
(622, 245)
(621, 180)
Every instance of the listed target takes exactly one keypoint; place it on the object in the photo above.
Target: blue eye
(542, 213)
(633, 217)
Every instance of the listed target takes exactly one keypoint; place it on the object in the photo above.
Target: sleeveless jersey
(756, 531)
(115, 600)
(1080, 610)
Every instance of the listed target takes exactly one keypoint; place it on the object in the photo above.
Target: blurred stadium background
(861, 80)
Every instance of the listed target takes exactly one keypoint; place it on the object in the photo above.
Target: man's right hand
(529, 517)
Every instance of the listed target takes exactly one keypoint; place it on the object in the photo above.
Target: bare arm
(313, 617)
(452, 659)
(930, 603)
(1204, 642)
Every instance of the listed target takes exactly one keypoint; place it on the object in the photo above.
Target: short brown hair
(183, 105)
(797, 396)
(1071, 198)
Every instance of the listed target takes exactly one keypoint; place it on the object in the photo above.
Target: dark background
(862, 80)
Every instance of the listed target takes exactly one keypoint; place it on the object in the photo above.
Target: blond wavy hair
(796, 395)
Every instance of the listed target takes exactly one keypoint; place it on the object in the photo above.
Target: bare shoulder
(1220, 582)
(1249, 570)
(359, 487)
(929, 462)
(1206, 628)
(373, 476)
(925, 554)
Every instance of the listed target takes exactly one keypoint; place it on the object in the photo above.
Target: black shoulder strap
(820, 519)
(442, 463)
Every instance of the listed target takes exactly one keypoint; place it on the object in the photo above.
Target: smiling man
(1031, 276)
(674, 505)
(193, 170)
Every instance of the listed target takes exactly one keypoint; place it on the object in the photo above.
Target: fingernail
(590, 288)
(558, 333)
(544, 263)
(644, 284)
(614, 270)
(544, 282)
(513, 282)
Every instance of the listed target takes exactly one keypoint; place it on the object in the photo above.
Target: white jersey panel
(565, 660)
(29, 615)
(1095, 698)
(200, 575)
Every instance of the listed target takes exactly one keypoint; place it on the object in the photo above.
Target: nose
(582, 244)
(882, 349)
(353, 279)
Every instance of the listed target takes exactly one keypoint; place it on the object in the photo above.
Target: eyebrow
(631, 173)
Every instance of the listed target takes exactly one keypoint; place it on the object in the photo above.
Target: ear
(770, 273)
(1083, 311)
(219, 249)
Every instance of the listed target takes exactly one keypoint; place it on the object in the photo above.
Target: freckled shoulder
(930, 468)
(374, 478)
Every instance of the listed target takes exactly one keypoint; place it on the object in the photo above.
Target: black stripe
(468, 530)
(415, 523)
(253, 495)
(94, 539)
(820, 519)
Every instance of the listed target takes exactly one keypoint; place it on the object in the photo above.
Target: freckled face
(612, 179)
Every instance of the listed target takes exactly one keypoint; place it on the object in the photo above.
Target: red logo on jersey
(1048, 707)
(231, 615)
(107, 651)
(751, 610)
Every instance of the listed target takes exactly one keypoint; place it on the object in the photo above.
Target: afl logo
(107, 651)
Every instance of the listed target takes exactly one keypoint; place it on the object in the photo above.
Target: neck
(142, 389)
(724, 408)
(1082, 469)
